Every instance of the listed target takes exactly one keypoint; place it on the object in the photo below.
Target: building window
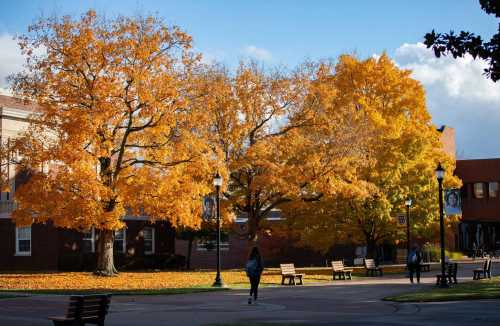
(149, 240)
(493, 189)
(479, 190)
(23, 241)
(120, 241)
(208, 245)
(89, 240)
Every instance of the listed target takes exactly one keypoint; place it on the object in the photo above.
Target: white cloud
(257, 53)
(458, 95)
(11, 59)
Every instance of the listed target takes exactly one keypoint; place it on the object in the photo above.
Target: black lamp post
(218, 184)
(408, 204)
(440, 176)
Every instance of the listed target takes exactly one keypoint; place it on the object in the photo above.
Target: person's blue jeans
(414, 268)
(254, 286)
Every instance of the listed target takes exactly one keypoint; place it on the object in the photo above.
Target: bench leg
(282, 280)
(300, 279)
(349, 276)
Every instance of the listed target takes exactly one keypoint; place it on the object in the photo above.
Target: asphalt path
(356, 302)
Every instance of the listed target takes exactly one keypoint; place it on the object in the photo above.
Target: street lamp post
(440, 177)
(218, 184)
(408, 204)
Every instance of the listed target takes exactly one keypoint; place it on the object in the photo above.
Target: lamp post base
(444, 285)
(218, 284)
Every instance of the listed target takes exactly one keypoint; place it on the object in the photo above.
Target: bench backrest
(370, 263)
(88, 306)
(287, 269)
(338, 265)
(452, 269)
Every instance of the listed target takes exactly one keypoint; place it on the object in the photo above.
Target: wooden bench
(340, 270)
(85, 309)
(450, 274)
(484, 272)
(371, 268)
(288, 272)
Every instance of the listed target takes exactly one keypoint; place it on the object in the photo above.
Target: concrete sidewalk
(340, 303)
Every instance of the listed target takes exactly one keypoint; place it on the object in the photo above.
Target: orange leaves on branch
(116, 122)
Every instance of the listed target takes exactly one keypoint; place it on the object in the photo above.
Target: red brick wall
(472, 171)
(448, 140)
(61, 249)
(43, 248)
(274, 249)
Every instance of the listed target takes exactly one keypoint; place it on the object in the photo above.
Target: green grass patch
(476, 290)
(167, 291)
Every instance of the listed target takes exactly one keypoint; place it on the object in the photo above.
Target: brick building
(480, 223)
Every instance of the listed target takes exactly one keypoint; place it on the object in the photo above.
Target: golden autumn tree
(115, 131)
(403, 152)
(279, 142)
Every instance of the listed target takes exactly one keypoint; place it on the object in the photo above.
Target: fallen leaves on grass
(133, 280)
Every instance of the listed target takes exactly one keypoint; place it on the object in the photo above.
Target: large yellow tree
(115, 131)
(281, 143)
(403, 152)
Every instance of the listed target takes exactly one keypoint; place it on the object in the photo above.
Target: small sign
(452, 204)
(401, 219)
(209, 205)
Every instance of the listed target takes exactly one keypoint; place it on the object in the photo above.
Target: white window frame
(490, 186)
(91, 239)
(124, 240)
(152, 241)
(479, 188)
(22, 253)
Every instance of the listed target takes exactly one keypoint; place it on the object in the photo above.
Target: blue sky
(288, 32)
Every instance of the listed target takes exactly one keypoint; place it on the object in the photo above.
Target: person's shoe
(249, 300)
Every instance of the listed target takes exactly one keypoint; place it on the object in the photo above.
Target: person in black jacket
(254, 268)
(414, 260)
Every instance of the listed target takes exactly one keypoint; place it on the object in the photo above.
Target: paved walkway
(341, 303)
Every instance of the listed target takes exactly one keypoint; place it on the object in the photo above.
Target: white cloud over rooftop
(458, 95)
(11, 60)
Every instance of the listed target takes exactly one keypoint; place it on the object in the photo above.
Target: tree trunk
(105, 262)
(253, 229)
(371, 247)
(190, 249)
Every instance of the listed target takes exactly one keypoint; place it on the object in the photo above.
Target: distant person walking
(414, 260)
(254, 268)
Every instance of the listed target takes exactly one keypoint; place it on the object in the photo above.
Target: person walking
(254, 268)
(414, 260)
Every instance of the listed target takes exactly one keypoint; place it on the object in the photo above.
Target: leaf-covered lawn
(484, 289)
(134, 282)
